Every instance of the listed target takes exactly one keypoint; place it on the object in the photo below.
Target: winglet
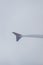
(18, 36)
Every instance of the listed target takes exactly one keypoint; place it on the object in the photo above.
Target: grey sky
(25, 17)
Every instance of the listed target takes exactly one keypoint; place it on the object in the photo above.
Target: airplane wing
(18, 36)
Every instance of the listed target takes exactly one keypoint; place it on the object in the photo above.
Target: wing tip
(18, 36)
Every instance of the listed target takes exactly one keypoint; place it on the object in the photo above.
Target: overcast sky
(25, 17)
